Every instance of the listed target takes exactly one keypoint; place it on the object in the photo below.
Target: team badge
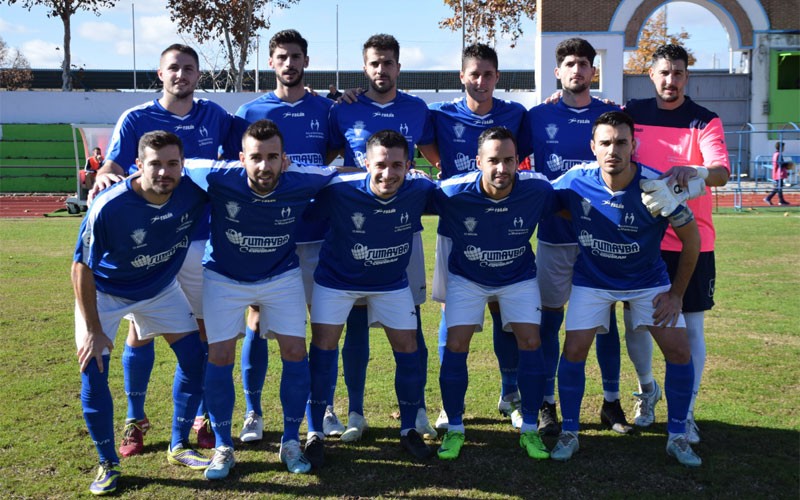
(358, 220)
(458, 129)
(587, 207)
(233, 209)
(470, 223)
(358, 128)
(551, 130)
(138, 236)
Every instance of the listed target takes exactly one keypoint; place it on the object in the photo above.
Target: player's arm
(431, 153)
(712, 175)
(332, 154)
(668, 305)
(95, 341)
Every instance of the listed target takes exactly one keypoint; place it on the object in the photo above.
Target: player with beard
(303, 120)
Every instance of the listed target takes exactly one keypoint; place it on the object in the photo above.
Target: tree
(654, 34)
(64, 9)
(483, 18)
(15, 71)
(236, 22)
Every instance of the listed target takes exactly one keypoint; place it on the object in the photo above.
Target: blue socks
(201, 408)
(220, 398)
(423, 358)
(295, 384)
(98, 409)
(187, 385)
(254, 369)
(320, 363)
(442, 337)
(571, 384)
(532, 375)
(355, 357)
(548, 332)
(607, 348)
(407, 385)
(507, 353)
(137, 363)
(678, 384)
(453, 382)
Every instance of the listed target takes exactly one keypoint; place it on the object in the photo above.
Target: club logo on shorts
(233, 210)
(470, 223)
(458, 129)
(358, 221)
(551, 130)
(138, 237)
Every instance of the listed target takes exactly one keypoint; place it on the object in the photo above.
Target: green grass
(748, 410)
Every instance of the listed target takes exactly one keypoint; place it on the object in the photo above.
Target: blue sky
(104, 42)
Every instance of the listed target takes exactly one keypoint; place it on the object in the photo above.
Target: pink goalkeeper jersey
(688, 135)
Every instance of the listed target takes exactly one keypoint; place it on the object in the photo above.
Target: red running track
(39, 205)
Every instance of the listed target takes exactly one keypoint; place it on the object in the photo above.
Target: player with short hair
(373, 218)
(457, 125)
(491, 215)
(685, 141)
(204, 127)
(130, 247)
(381, 107)
(557, 137)
(620, 260)
(303, 120)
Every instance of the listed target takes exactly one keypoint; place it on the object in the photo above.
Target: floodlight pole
(337, 45)
(133, 31)
(258, 46)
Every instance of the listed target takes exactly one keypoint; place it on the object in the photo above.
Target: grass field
(748, 412)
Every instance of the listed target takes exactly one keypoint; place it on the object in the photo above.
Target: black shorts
(699, 294)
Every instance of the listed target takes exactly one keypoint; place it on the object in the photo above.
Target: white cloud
(9, 27)
(42, 54)
(102, 32)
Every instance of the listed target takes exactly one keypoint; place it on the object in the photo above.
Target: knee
(220, 354)
(678, 354)
(296, 351)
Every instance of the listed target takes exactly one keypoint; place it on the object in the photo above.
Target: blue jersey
(491, 238)
(457, 128)
(619, 241)
(304, 127)
(352, 124)
(558, 136)
(252, 235)
(135, 248)
(369, 243)
(303, 124)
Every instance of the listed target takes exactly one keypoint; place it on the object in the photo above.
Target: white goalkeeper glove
(662, 197)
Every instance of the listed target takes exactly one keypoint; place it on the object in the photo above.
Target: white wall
(105, 107)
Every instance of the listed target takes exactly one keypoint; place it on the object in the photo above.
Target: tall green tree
(654, 34)
(64, 9)
(484, 19)
(234, 22)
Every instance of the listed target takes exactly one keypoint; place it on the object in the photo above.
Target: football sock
(442, 336)
(532, 375)
(571, 384)
(295, 384)
(453, 382)
(697, 346)
(407, 382)
(507, 353)
(355, 357)
(201, 408)
(607, 348)
(187, 385)
(137, 364)
(220, 398)
(320, 363)
(255, 360)
(640, 350)
(548, 332)
(423, 358)
(98, 409)
(678, 382)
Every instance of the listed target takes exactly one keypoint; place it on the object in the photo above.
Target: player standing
(130, 247)
(684, 141)
(457, 125)
(381, 107)
(619, 260)
(491, 216)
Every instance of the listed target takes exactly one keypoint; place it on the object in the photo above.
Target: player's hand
(682, 174)
(311, 90)
(554, 97)
(420, 173)
(92, 347)
(350, 95)
(658, 197)
(607, 101)
(102, 182)
(667, 309)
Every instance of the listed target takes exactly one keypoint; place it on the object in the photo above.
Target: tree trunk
(66, 79)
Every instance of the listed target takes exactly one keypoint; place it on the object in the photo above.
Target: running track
(39, 205)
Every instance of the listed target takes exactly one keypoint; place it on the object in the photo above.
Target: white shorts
(416, 271)
(280, 299)
(167, 312)
(190, 276)
(554, 271)
(444, 246)
(588, 308)
(466, 302)
(308, 254)
(394, 309)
